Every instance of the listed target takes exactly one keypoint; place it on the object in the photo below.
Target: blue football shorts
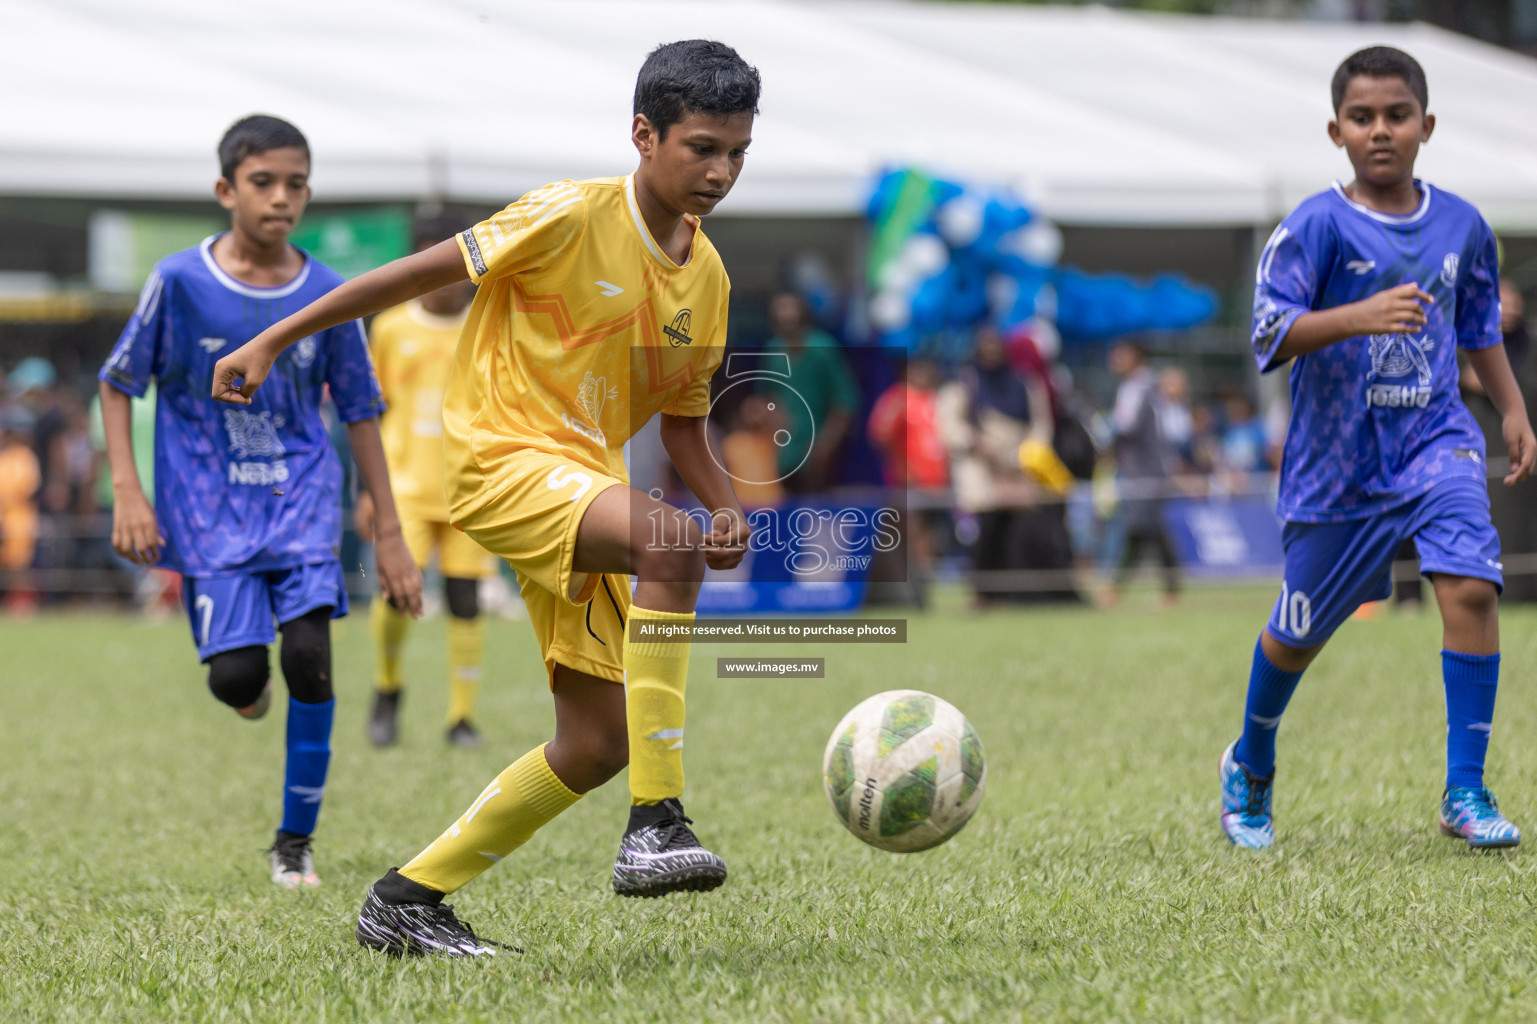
(227, 612)
(1334, 568)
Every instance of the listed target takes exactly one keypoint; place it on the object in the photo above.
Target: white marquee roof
(1109, 117)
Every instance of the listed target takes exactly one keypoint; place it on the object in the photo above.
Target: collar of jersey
(251, 291)
(645, 232)
(1387, 218)
(437, 321)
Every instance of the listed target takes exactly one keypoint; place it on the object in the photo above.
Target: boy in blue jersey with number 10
(248, 501)
(1369, 289)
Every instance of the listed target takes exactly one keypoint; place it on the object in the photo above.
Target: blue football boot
(1246, 817)
(1470, 813)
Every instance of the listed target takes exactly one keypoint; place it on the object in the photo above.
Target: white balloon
(1040, 242)
(960, 220)
(924, 255)
(890, 310)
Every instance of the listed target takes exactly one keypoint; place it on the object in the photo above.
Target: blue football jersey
(1377, 421)
(241, 488)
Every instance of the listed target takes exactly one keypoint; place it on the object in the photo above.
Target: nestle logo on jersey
(1398, 396)
(678, 329)
(260, 473)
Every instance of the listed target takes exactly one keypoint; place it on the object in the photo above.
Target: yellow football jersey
(581, 332)
(413, 353)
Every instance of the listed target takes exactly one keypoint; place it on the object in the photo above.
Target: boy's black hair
(694, 76)
(432, 230)
(1381, 62)
(255, 134)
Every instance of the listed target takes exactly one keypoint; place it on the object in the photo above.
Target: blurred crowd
(1017, 479)
(56, 494)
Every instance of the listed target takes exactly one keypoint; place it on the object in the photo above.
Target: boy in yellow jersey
(601, 304)
(413, 349)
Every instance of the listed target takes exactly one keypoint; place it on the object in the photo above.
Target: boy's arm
(399, 578)
(135, 533)
(1396, 310)
(389, 285)
(1493, 368)
(688, 446)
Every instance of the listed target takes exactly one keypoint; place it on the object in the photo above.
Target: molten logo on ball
(904, 771)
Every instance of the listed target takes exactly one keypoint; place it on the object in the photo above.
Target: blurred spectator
(1033, 348)
(984, 416)
(32, 384)
(904, 428)
(821, 376)
(1245, 444)
(19, 480)
(1143, 461)
(1175, 420)
(1205, 441)
(751, 453)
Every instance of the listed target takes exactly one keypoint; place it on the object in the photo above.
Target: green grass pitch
(1093, 884)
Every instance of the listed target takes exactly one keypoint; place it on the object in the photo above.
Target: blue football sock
(1269, 691)
(1471, 681)
(309, 754)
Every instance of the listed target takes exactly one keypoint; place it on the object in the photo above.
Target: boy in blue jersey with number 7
(248, 501)
(1369, 289)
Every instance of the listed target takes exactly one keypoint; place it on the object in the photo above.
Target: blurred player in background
(601, 305)
(248, 501)
(413, 349)
(1370, 288)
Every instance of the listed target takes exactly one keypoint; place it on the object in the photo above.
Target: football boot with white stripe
(419, 929)
(660, 854)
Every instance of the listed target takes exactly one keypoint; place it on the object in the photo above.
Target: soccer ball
(904, 771)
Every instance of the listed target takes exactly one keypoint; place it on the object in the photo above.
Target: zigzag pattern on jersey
(642, 315)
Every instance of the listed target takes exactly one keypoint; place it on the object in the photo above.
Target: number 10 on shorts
(1294, 614)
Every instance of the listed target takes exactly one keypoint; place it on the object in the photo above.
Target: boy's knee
(306, 656)
(681, 562)
(238, 677)
(1476, 597)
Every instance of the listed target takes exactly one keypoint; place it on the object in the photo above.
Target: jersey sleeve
(526, 235)
(380, 339)
(350, 373)
(1478, 293)
(1287, 282)
(693, 398)
(140, 352)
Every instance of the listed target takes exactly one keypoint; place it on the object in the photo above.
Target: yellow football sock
(518, 803)
(466, 651)
(655, 674)
(389, 632)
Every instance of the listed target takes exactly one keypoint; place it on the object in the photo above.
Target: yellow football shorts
(459, 557)
(578, 618)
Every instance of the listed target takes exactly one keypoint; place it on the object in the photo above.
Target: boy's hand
(135, 533)
(727, 542)
(363, 518)
(399, 579)
(1522, 447)
(248, 364)
(1397, 310)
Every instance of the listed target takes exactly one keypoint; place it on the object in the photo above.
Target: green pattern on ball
(909, 800)
(903, 720)
(971, 762)
(840, 773)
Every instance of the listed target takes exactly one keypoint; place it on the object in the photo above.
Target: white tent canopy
(1109, 117)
